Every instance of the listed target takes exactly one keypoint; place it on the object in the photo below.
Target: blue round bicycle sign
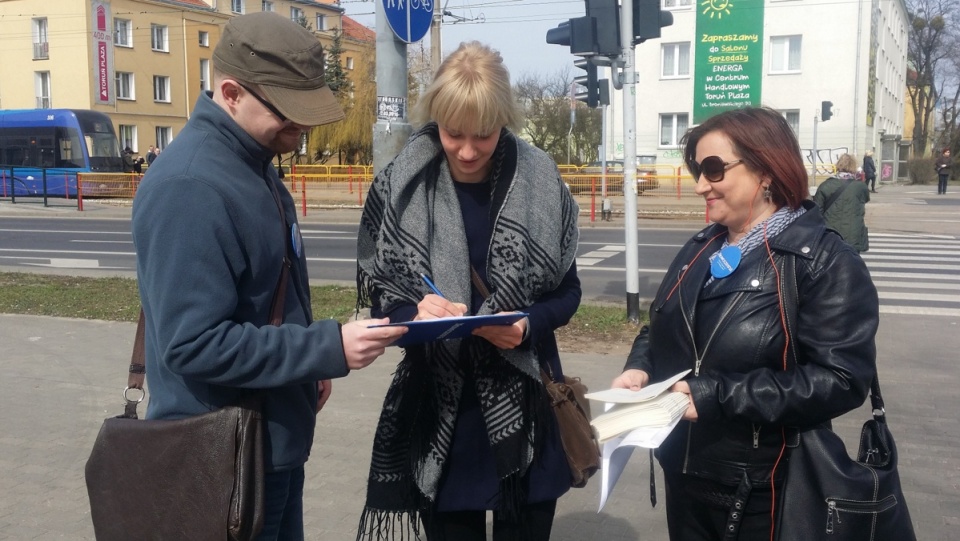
(409, 19)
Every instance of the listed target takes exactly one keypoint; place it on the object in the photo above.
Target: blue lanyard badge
(296, 240)
(725, 261)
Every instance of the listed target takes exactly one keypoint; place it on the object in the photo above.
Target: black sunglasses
(712, 168)
(271, 107)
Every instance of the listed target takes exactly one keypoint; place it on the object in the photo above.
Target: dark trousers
(872, 183)
(284, 506)
(690, 519)
(536, 521)
(942, 183)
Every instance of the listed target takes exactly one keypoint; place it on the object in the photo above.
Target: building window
(41, 45)
(672, 128)
(267, 6)
(164, 136)
(159, 38)
(296, 15)
(161, 88)
(785, 54)
(321, 22)
(676, 4)
(236, 6)
(128, 137)
(793, 118)
(204, 75)
(675, 60)
(122, 33)
(41, 83)
(204, 39)
(125, 88)
(349, 63)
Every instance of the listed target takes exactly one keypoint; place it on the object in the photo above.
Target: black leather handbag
(829, 495)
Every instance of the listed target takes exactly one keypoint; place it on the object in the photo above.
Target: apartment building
(142, 62)
(791, 55)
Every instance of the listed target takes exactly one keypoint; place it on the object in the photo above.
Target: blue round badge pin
(296, 240)
(725, 262)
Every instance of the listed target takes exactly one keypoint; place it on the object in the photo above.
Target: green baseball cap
(285, 60)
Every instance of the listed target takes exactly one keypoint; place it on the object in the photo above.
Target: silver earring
(767, 194)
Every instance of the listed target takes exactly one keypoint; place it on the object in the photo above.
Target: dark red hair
(764, 141)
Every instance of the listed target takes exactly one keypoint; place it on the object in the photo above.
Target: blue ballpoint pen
(431, 285)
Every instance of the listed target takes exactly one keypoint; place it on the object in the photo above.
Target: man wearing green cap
(210, 246)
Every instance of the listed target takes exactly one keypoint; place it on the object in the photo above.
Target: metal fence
(315, 186)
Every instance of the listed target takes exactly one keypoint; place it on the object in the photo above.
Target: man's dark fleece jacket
(210, 247)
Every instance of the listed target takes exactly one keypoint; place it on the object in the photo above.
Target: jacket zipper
(699, 361)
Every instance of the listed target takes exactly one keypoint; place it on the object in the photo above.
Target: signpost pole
(630, 162)
(398, 23)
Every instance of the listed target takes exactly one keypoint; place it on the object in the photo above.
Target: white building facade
(790, 55)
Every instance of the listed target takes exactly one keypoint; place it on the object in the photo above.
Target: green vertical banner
(729, 56)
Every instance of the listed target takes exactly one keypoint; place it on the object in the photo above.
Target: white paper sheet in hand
(626, 396)
(616, 453)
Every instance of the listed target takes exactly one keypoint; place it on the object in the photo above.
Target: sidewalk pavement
(62, 377)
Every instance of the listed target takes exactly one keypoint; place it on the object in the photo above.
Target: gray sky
(517, 28)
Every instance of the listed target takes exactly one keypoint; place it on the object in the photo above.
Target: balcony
(41, 51)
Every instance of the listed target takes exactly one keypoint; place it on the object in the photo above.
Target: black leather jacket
(730, 334)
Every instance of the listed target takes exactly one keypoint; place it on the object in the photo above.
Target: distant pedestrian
(151, 155)
(943, 171)
(870, 171)
(842, 200)
(128, 161)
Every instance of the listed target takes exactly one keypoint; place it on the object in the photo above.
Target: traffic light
(603, 91)
(598, 33)
(825, 110)
(648, 19)
(606, 13)
(590, 91)
(579, 34)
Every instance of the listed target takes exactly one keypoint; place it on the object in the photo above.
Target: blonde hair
(471, 92)
(847, 164)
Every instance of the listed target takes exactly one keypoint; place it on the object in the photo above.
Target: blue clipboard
(448, 328)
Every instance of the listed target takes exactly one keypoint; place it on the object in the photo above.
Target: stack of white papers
(655, 413)
(633, 419)
(650, 407)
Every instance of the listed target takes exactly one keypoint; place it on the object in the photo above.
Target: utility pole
(631, 233)
(436, 49)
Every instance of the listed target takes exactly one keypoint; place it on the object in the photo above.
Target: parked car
(591, 173)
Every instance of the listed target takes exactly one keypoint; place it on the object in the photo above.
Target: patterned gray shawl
(412, 224)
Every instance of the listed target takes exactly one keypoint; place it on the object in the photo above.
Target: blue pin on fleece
(296, 240)
(725, 262)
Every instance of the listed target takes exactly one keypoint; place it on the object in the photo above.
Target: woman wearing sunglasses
(720, 312)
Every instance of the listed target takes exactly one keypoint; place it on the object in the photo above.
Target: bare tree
(547, 107)
(931, 43)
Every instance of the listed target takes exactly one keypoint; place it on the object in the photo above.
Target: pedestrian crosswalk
(916, 274)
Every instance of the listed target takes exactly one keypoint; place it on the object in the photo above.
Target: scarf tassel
(380, 525)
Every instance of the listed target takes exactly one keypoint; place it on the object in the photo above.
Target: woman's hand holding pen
(434, 306)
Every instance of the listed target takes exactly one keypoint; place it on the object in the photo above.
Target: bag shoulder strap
(791, 309)
(835, 195)
(137, 369)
